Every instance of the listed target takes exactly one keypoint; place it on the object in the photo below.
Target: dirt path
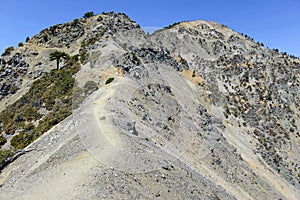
(61, 180)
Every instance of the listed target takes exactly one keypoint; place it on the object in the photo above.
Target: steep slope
(194, 111)
(257, 88)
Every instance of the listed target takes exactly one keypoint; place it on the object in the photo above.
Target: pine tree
(57, 55)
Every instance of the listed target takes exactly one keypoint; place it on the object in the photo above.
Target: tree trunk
(57, 64)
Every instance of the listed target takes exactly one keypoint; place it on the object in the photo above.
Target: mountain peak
(194, 110)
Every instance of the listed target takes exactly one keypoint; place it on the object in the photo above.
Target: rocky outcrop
(60, 35)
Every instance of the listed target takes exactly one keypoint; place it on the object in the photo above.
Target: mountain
(193, 111)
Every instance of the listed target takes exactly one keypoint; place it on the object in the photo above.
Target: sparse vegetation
(20, 44)
(108, 81)
(8, 51)
(58, 55)
(257, 89)
(88, 14)
(83, 55)
(90, 87)
(2, 140)
(76, 21)
(53, 92)
(4, 154)
(172, 25)
(135, 58)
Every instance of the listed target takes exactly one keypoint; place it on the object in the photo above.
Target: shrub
(4, 154)
(89, 87)
(30, 113)
(108, 81)
(51, 120)
(7, 51)
(27, 39)
(83, 55)
(20, 44)
(76, 21)
(2, 140)
(18, 141)
(124, 46)
(88, 14)
(135, 59)
(12, 126)
(23, 139)
(29, 127)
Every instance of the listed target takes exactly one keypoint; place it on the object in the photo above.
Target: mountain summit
(98, 109)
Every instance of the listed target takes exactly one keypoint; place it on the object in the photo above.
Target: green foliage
(61, 87)
(57, 55)
(27, 39)
(135, 58)
(172, 25)
(53, 92)
(76, 21)
(83, 55)
(88, 14)
(20, 44)
(21, 140)
(89, 87)
(108, 81)
(4, 154)
(30, 113)
(13, 89)
(2, 140)
(52, 119)
(168, 27)
(124, 46)
(12, 126)
(7, 51)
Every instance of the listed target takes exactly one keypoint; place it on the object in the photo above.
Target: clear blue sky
(276, 23)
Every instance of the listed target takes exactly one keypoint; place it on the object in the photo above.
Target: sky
(276, 23)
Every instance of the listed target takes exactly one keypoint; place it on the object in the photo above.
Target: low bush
(88, 14)
(108, 81)
(89, 87)
(7, 51)
(2, 140)
(21, 140)
(4, 154)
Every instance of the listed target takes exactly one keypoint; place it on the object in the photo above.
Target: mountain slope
(193, 111)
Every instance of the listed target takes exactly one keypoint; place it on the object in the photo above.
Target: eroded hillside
(193, 111)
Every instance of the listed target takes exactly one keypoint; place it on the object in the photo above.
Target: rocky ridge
(220, 111)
